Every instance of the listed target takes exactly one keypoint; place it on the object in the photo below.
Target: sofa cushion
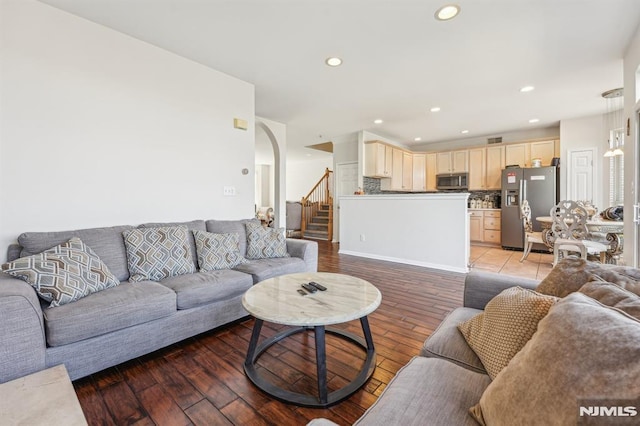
(109, 310)
(264, 242)
(64, 273)
(506, 325)
(194, 225)
(231, 227)
(612, 295)
(217, 251)
(584, 353)
(157, 253)
(570, 274)
(427, 391)
(199, 289)
(262, 269)
(448, 343)
(107, 243)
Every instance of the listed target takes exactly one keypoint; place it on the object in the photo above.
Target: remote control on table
(318, 286)
(309, 288)
(302, 292)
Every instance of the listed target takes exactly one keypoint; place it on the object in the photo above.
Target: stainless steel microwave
(452, 181)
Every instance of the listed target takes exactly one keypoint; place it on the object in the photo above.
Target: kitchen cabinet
(475, 225)
(519, 154)
(401, 172)
(484, 226)
(494, 165)
(419, 172)
(378, 159)
(452, 162)
(545, 151)
(431, 172)
(477, 169)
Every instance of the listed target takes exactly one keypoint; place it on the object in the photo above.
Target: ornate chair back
(525, 209)
(569, 221)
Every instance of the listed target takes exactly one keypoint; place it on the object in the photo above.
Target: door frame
(336, 204)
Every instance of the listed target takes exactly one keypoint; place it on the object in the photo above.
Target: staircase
(317, 210)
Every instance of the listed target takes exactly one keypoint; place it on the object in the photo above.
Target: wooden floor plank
(201, 380)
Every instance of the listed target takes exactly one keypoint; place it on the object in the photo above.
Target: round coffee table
(277, 300)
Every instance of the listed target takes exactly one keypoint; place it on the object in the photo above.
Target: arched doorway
(274, 184)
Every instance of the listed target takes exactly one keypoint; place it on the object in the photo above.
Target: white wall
(430, 230)
(100, 129)
(303, 175)
(513, 136)
(579, 134)
(631, 110)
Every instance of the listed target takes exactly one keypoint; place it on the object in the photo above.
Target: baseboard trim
(406, 261)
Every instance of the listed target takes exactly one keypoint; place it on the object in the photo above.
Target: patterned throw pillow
(157, 253)
(264, 243)
(217, 251)
(64, 273)
(506, 325)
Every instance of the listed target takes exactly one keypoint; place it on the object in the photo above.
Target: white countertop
(432, 196)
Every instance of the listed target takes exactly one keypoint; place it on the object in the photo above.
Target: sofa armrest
(305, 250)
(22, 338)
(480, 287)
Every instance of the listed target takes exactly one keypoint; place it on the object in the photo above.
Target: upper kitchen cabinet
(431, 171)
(545, 151)
(477, 169)
(401, 172)
(419, 172)
(495, 164)
(452, 162)
(378, 160)
(518, 154)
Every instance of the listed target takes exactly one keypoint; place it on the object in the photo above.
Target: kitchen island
(430, 230)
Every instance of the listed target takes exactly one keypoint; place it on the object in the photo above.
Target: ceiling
(398, 60)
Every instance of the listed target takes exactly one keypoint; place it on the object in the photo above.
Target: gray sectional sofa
(583, 355)
(123, 322)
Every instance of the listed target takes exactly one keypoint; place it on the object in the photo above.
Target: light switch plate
(229, 191)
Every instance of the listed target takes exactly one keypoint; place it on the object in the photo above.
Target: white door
(346, 184)
(581, 184)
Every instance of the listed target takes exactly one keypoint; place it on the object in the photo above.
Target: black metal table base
(324, 398)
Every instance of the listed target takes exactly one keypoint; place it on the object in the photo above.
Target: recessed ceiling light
(435, 109)
(527, 89)
(464, 132)
(417, 139)
(378, 121)
(333, 61)
(308, 155)
(447, 12)
(534, 120)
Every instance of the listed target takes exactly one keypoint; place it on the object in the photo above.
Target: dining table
(609, 232)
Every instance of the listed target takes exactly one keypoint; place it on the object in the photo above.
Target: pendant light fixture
(614, 121)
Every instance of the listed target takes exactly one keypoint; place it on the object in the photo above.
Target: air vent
(494, 140)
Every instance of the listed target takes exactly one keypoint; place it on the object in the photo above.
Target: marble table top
(43, 398)
(277, 299)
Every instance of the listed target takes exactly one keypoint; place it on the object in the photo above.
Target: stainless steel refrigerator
(539, 186)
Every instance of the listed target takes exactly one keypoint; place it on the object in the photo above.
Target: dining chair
(531, 237)
(570, 232)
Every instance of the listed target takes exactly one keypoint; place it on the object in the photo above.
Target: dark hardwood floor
(200, 381)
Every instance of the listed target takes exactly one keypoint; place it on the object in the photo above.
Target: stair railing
(320, 194)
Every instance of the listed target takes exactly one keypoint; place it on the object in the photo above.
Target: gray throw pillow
(157, 253)
(217, 251)
(583, 354)
(613, 295)
(264, 243)
(64, 273)
(570, 274)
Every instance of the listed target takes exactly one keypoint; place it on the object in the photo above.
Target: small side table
(43, 398)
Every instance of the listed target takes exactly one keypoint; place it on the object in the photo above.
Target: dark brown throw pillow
(570, 274)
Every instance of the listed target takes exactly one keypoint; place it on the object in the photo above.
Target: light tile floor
(495, 259)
